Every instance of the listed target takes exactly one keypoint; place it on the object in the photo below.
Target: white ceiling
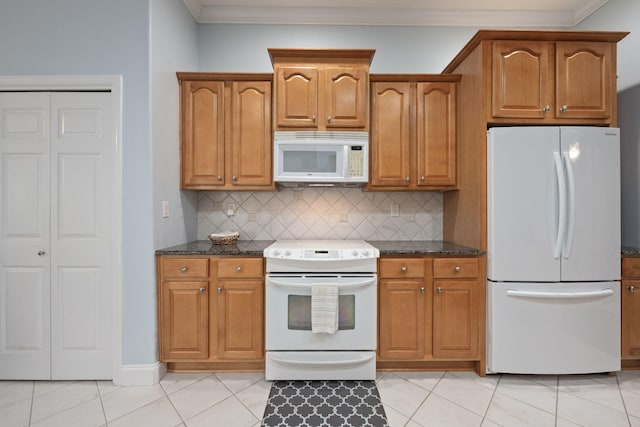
(475, 13)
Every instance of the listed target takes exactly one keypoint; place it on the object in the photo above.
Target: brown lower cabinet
(630, 311)
(211, 312)
(431, 313)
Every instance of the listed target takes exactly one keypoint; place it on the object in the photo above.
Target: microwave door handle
(345, 287)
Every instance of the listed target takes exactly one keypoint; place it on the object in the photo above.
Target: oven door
(288, 312)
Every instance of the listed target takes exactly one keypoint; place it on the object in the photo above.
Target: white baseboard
(131, 375)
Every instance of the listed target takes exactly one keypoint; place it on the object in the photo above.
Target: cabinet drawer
(188, 268)
(630, 267)
(455, 267)
(240, 267)
(402, 267)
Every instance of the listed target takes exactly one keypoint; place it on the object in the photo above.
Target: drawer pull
(183, 269)
(422, 290)
(457, 268)
(202, 290)
(403, 268)
(239, 268)
(439, 290)
(631, 288)
(219, 290)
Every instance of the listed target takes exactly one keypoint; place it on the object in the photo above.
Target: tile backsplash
(322, 213)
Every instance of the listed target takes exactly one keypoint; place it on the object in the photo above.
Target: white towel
(324, 308)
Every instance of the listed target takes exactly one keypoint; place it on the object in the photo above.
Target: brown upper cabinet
(551, 81)
(321, 89)
(413, 132)
(225, 136)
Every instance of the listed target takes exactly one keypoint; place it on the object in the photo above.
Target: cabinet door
(455, 319)
(436, 134)
(522, 85)
(630, 319)
(584, 80)
(250, 134)
(346, 98)
(185, 321)
(240, 319)
(297, 97)
(390, 135)
(202, 134)
(402, 319)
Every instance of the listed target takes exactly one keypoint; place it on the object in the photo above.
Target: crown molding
(213, 14)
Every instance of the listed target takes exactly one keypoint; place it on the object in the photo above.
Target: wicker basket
(224, 238)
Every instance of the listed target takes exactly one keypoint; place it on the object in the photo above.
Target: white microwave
(321, 157)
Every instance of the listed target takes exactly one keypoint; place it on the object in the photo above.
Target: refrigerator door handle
(562, 205)
(571, 214)
(563, 295)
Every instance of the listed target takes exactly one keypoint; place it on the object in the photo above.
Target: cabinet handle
(329, 119)
(313, 118)
(403, 268)
(407, 179)
(202, 290)
(183, 269)
(564, 108)
(546, 108)
(219, 290)
(457, 268)
(439, 290)
(234, 178)
(239, 268)
(41, 253)
(631, 288)
(219, 178)
(422, 178)
(422, 290)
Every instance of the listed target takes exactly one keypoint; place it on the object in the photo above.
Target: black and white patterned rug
(324, 404)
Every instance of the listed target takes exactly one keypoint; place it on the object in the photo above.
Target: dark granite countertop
(257, 247)
(630, 251)
(422, 247)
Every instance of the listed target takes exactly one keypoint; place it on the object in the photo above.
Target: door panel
(24, 233)
(594, 251)
(522, 220)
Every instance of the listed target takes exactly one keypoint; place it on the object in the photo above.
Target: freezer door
(553, 328)
(591, 157)
(522, 204)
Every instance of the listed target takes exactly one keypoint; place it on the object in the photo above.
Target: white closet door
(82, 185)
(58, 180)
(24, 236)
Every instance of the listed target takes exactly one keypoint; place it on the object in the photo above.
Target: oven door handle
(335, 363)
(341, 287)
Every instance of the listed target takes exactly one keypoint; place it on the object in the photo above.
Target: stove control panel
(320, 254)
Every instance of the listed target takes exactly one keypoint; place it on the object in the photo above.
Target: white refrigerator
(553, 250)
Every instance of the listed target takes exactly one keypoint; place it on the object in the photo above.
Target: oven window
(309, 161)
(299, 309)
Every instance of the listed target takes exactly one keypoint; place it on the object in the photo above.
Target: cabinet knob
(422, 178)
(403, 268)
(41, 253)
(457, 268)
(219, 178)
(313, 118)
(546, 108)
(219, 290)
(184, 269)
(234, 178)
(422, 290)
(329, 119)
(202, 290)
(564, 108)
(631, 288)
(407, 179)
(239, 268)
(439, 290)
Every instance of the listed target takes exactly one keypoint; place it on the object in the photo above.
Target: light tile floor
(410, 399)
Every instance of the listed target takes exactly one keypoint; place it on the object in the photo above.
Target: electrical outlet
(395, 210)
(231, 209)
(165, 209)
